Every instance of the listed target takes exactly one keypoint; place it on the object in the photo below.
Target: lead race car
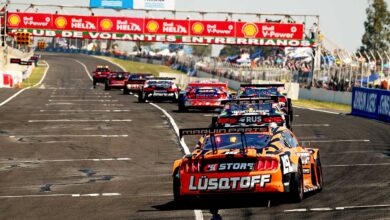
(251, 112)
(116, 80)
(159, 88)
(266, 90)
(246, 160)
(100, 74)
(204, 95)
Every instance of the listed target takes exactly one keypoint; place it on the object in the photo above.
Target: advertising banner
(125, 4)
(371, 103)
(154, 4)
(159, 30)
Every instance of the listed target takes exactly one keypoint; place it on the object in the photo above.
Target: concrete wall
(326, 95)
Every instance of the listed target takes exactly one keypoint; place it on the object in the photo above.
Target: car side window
(290, 139)
(285, 140)
(294, 141)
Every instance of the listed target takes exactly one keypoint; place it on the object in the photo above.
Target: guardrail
(371, 103)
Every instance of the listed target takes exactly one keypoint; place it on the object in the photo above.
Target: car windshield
(259, 92)
(160, 82)
(234, 108)
(136, 77)
(235, 141)
(118, 75)
(102, 70)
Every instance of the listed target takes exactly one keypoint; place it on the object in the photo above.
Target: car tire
(296, 186)
(125, 90)
(106, 87)
(94, 83)
(175, 98)
(181, 106)
(176, 187)
(141, 97)
(320, 179)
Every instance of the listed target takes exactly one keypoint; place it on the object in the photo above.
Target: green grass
(139, 67)
(322, 105)
(35, 76)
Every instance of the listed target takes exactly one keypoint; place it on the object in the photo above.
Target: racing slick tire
(181, 106)
(94, 83)
(175, 98)
(106, 87)
(141, 97)
(320, 180)
(176, 188)
(125, 90)
(296, 186)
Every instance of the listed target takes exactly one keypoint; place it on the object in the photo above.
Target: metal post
(388, 73)
(381, 69)
(368, 59)
(361, 77)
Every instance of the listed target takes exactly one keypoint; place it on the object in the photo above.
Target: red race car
(116, 80)
(135, 82)
(206, 94)
(100, 75)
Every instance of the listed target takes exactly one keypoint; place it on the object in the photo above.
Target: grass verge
(139, 67)
(35, 76)
(322, 105)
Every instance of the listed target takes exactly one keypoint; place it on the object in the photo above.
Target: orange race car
(246, 160)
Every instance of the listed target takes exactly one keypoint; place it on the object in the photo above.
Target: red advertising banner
(213, 28)
(29, 20)
(269, 30)
(159, 30)
(121, 25)
(166, 26)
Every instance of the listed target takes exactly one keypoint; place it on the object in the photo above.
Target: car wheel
(320, 180)
(176, 187)
(296, 186)
(141, 97)
(106, 87)
(94, 83)
(181, 106)
(125, 90)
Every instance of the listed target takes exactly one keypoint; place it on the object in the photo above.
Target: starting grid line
(81, 120)
(63, 195)
(71, 135)
(81, 110)
(66, 160)
(341, 208)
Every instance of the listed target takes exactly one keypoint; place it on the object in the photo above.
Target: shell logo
(250, 30)
(152, 26)
(197, 28)
(106, 24)
(14, 20)
(60, 22)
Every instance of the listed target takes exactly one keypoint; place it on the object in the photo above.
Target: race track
(69, 151)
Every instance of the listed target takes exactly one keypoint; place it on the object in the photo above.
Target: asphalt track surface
(69, 151)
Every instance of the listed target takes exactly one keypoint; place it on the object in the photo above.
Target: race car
(246, 160)
(159, 88)
(100, 75)
(265, 90)
(203, 95)
(135, 82)
(116, 80)
(251, 112)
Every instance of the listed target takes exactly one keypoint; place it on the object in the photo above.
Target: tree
(201, 50)
(377, 27)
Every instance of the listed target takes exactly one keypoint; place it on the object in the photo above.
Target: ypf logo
(152, 26)
(250, 30)
(106, 24)
(14, 20)
(197, 28)
(60, 22)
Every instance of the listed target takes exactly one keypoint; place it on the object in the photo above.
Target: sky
(341, 21)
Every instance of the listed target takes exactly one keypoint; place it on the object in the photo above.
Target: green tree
(377, 27)
(201, 50)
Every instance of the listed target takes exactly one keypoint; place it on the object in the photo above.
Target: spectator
(313, 31)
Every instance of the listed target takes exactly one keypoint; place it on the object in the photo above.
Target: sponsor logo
(305, 157)
(60, 22)
(384, 105)
(223, 130)
(365, 101)
(270, 32)
(229, 167)
(106, 24)
(197, 28)
(250, 30)
(127, 26)
(152, 26)
(212, 29)
(14, 20)
(250, 119)
(287, 167)
(306, 171)
(246, 182)
(79, 23)
(172, 28)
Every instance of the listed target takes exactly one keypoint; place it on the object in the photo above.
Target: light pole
(388, 71)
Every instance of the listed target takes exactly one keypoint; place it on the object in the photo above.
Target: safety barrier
(371, 103)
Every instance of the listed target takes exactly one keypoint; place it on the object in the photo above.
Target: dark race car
(203, 95)
(135, 82)
(116, 80)
(100, 75)
(159, 88)
(251, 112)
(246, 160)
(266, 90)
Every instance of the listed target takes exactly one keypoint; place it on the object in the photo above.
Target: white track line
(357, 165)
(198, 213)
(82, 100)
(317, 110)
(83, 110)
(335, 141)
(75, 96)
(341, 208)
(311, 125)
(81, 120)
(85, 68)
(65, 160)
(22, 90)
(62, 195)
(71, 135)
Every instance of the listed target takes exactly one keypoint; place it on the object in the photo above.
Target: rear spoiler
(206, 131)
(162, 78)
(251, 100)
(263, 85)
(208, 84)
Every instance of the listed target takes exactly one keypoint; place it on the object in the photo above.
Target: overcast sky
(341, 21)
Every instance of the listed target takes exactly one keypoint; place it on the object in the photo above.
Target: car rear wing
(208, 84)
(207, 131)
(252, 100)
(161, 78)
(263, 85)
